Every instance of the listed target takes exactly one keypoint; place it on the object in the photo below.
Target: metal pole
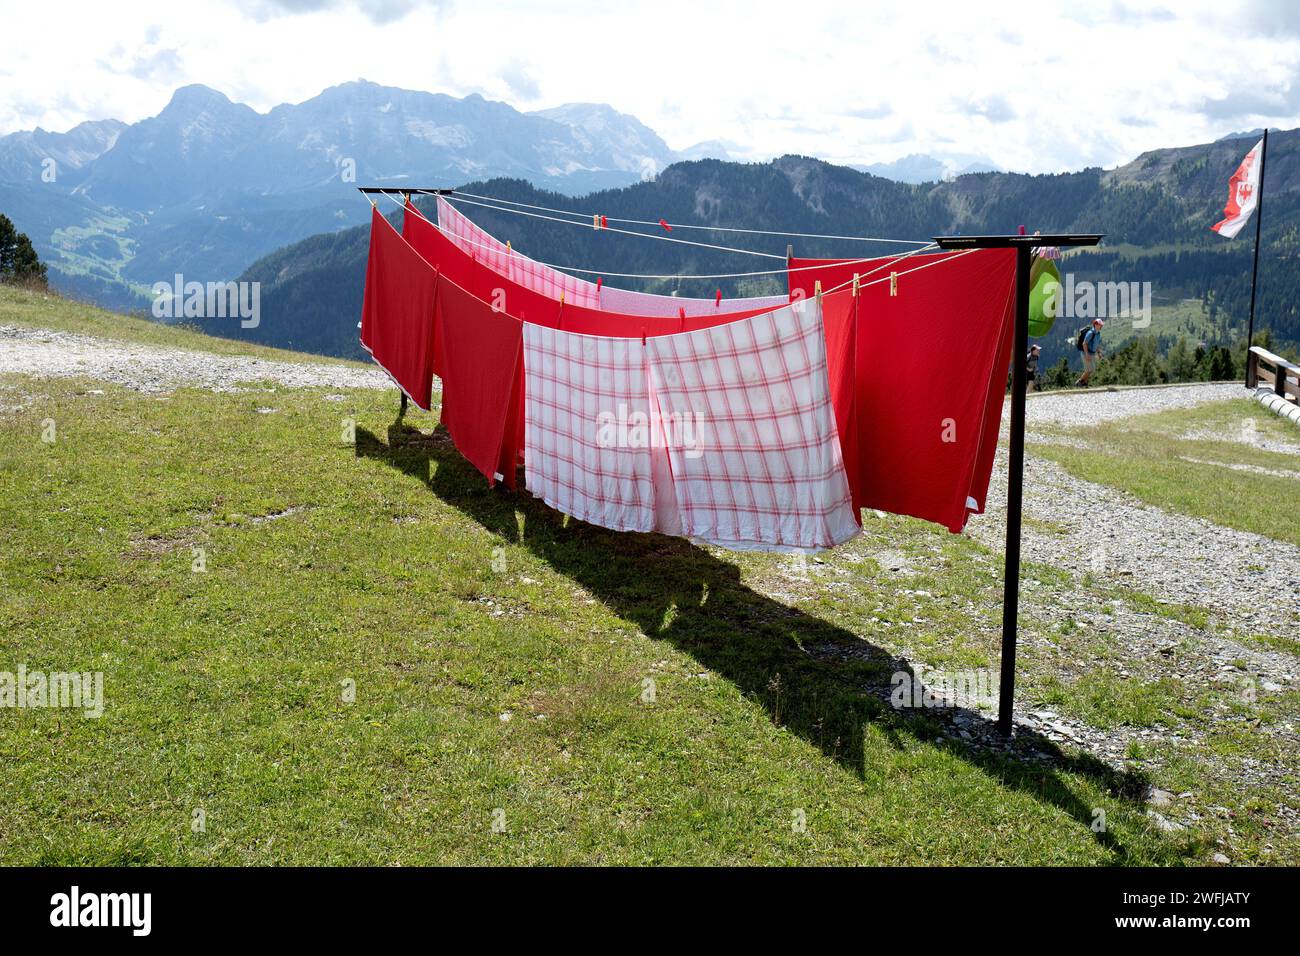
(1259, 218)
(1015, 493)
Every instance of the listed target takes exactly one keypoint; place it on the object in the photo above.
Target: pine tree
(18, 259)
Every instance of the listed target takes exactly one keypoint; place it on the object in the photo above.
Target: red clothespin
(643, 335)
(717, 298)
(599, 282)
(681, 312)
(665, 225)
(604, 222)
(893, 283)
(1022, 230)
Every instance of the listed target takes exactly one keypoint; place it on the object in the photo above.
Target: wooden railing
(1263, 368)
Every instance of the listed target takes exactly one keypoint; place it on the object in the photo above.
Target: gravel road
(148, 368)
(1098, 405)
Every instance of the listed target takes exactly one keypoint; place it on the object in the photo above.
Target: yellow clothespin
(561, 297)
(817, 290)
(893, 283)
(855, 285)
(595, 220)
(508, 249)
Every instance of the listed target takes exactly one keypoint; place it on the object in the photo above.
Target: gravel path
(148, 368)
(1105, 406)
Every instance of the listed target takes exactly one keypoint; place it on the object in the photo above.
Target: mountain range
(922, 168)
(208, 185)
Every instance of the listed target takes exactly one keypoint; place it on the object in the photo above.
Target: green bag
(1044, 295)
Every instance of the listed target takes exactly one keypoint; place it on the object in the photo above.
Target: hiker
(1088, 341)
(1031, 367)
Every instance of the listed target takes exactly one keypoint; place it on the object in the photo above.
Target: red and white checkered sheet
(586, 427)
(494, 254)
(724, 435)
(530, 273)
(750, 432)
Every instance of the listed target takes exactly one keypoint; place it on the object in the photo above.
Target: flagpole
(1259, 218)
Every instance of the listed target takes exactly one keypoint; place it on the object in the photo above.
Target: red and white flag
(1243, 193)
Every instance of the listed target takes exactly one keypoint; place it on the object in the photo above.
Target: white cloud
(1041, 86)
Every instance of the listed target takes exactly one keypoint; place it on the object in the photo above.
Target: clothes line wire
(584, 219)
(625, 232)
(640, 275)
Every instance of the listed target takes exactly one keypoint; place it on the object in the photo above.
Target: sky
(1047, 86)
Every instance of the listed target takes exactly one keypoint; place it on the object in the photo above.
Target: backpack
(1080, 335)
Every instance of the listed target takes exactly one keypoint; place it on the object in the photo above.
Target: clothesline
(625, 232)
(860, 421)
(586, 218)
(720, 275)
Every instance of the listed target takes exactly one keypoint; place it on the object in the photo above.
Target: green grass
(26, 308)
(1147, 457)
(1105, 699)
(390, 564)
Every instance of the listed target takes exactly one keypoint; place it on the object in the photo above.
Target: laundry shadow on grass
(813, 677)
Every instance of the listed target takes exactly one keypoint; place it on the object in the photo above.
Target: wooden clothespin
(893, 283)
(595, 220)
(508, 249)
(561, 297)
(855, 285)
(817, 291)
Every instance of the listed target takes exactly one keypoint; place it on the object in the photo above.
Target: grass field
(325, 640)
(499, 660)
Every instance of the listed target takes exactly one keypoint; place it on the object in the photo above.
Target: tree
(1218, 365)
(1059, 376)
(18, 259)
(1181, 362)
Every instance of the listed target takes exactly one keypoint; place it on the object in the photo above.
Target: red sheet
(928, 378)
(481, 354)
(397, 311)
